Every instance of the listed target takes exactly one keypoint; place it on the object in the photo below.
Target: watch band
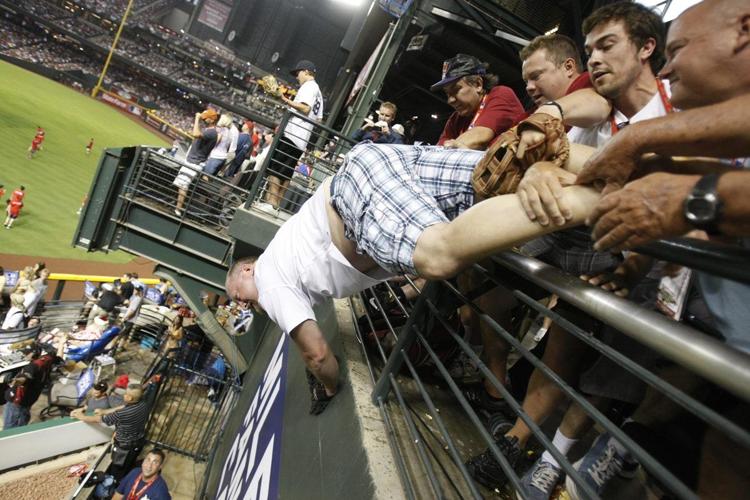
(704, 192)
(557, 105)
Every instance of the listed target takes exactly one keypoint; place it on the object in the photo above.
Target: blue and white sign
(251, 470)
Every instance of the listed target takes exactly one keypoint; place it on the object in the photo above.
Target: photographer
(380, 132)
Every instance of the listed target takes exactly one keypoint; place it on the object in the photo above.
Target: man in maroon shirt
(483, 109)
(551, 67)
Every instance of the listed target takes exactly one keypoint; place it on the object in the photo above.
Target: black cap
(101, 386)
(303, 64)
(457, 67)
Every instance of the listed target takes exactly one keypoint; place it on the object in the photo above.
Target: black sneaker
(478, 398)
(487, 471)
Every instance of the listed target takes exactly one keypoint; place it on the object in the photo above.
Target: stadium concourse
(393, 249)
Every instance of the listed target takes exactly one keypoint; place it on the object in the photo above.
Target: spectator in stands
(36, 291)
(39, 370)
(130, 425)
(626, 44)
(244, 147)
(226, 144)
(483, 109)
(98, 399)
(17, 402)
(175, 334)
(126, 286)
(108, 300)
(145, 481)
(203, 143)
(309, 102)
(381, 131)
(2, 286)
(15, 317)
(131, 313)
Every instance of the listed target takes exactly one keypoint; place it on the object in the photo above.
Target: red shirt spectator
(499, 111)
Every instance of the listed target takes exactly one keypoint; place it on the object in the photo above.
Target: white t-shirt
(598, 135)
(302, 267)
(298, 130)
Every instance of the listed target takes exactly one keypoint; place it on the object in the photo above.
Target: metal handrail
(704, 355)
(720, 259)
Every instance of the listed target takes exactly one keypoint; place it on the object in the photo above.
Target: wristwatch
(702, 207)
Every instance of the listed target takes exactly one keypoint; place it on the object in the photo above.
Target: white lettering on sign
(248, 474)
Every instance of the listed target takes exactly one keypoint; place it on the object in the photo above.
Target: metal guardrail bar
(82, 483)
(400, 463)
(727, 261)
(700, 353)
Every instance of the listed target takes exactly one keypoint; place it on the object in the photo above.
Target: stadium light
(349, 3)
(673, 8)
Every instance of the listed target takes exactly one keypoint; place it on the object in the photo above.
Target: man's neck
(638, 94)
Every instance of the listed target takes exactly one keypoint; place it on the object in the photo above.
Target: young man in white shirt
(296, 134)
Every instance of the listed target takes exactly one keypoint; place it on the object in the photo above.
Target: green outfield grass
(59, 176)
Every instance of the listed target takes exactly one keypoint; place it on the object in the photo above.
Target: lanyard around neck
(664, 100)
(135, 495)
(479, 112)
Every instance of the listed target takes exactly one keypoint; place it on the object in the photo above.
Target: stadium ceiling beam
(515, 22)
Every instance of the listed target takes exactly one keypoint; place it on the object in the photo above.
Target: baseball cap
(398, 128)
(303, 64)
(101, 386)
(210, 114)
(457, 67)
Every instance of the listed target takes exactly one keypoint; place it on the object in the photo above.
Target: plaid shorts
(387, 195)
(572, 250)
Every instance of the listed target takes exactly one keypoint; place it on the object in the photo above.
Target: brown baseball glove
(270, 85)
(499, 171)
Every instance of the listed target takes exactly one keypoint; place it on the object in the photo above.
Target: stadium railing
(210, 201)
(430, 448)
(322, 155)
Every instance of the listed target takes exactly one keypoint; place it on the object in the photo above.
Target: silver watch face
(701, 209)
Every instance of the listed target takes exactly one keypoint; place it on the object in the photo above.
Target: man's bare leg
(562, 355)
(317, 354)
(272, 190)
(498, 223)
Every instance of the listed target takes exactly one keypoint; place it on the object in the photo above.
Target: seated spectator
(145, 482)
(380, 131)
(483, 109)
(98, 399)
(108, 300)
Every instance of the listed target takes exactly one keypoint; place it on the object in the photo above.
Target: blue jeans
(15, 416)
(212, 166)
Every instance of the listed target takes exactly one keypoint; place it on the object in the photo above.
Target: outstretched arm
(719, 131)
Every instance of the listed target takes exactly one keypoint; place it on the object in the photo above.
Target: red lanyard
(479, 112)
(135, 495)
(664, 100)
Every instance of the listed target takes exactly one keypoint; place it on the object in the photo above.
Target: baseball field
(59, 176)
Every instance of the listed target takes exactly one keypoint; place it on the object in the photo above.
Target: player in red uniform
(89, 146)
(13, 206)
(36, 145)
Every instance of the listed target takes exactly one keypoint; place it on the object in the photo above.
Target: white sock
(563, 445)
(621, 450)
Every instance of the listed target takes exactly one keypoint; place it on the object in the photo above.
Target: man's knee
(434, 254)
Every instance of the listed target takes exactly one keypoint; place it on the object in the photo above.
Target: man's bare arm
(651, 208)
(719, 130)
(582, 108)
(476, 138)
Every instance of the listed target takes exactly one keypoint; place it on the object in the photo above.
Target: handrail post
(406, 338)
(58, 289)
